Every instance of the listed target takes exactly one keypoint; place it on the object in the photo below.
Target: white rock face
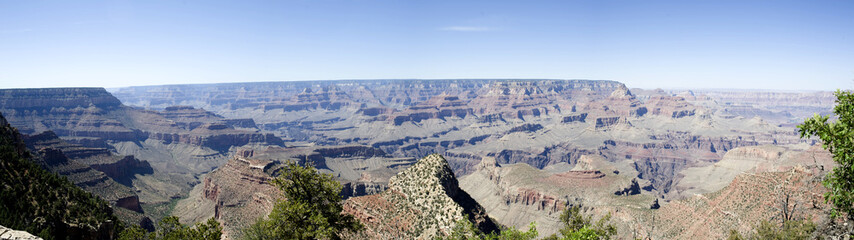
(11, 234)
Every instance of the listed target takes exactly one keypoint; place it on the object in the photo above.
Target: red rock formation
(516, 100)
(239, 194)
(675, 107)
(438, 107)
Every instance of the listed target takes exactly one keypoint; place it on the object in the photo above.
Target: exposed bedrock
(89, 179)
(129, 202)
(541, 158)
(422, 202)
(673, 106)
(575, 118)
(123, 171)
(36, 99)
(438, 107)
(661, 162)
(359, 188)
(219, 142)
(606, 122)
(350, 151)
(234, 194)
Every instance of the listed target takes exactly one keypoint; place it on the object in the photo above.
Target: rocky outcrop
(359, 188)
(655, 205)
(11, 234)
(234, 194)
(516, 100)
(327, 98)
(188, 117)
(609, 122)
(526, 128)
(632, 189)
(674, 107)
(423, 202)
(45, 99)
(123, 171)
(575, 118)
(217, 137)
(438, 107)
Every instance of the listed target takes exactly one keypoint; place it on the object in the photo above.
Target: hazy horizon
(783, 45)
(671, 89)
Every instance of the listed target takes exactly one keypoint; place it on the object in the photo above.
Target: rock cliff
(234, 194)
(422, 202)
(517, 194)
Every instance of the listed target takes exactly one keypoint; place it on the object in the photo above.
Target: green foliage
(794, 229)
(734, 235)
(789, 230)
(578, 226)
(38, 201)
(465, 230)
(311, 208)
(838, 138)
(172, 229)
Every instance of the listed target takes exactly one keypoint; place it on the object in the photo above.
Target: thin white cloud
(466, 29)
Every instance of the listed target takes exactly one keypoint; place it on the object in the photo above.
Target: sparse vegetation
(172, 229)
(310, 208)
(790, 230)
(792, 226)
(575, 227)
(464, 230)
(578, 226)
(838, 138)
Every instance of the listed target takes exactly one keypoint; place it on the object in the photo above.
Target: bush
(789, 230)
(464, 230)
(172, 229)
(578, 226)
(310, 208)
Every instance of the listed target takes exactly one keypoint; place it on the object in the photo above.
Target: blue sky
(788, 45)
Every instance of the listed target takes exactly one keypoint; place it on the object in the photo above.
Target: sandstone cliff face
(438, 107)
(675, 107)
(422, 202)
(235, 195)
(517, 100)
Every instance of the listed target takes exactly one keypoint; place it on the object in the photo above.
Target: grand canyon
(665, 164)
